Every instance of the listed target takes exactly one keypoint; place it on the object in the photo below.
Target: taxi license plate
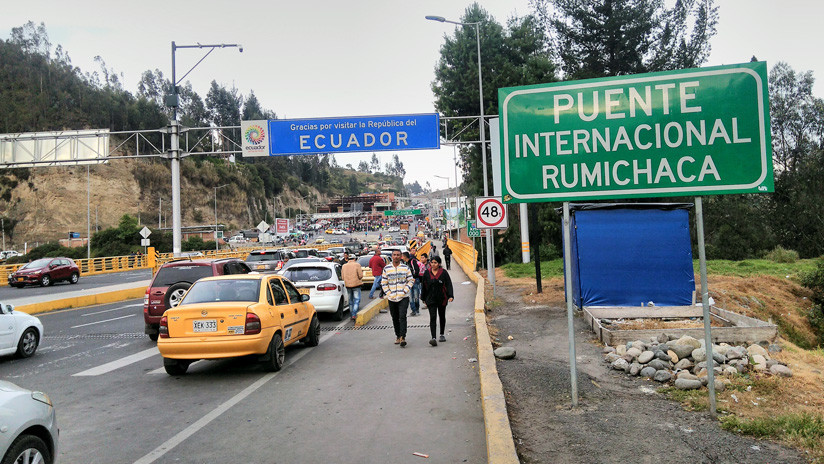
(20, 279)
(209, 325)
(303, 291)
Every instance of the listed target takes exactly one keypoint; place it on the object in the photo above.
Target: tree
(375, 164)
(363, 166)
(223, 105)
(596, 38)
(517, 55)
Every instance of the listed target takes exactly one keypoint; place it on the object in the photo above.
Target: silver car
(28, 426)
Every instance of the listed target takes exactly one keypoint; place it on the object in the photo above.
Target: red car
(44, 272)
(174, 278)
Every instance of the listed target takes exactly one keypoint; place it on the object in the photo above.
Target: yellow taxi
(236, 315)
(329, 231)
(420, 234)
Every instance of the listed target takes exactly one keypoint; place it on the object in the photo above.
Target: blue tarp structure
(630, 254)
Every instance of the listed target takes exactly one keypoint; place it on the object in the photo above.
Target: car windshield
(37, 264)
(364, 260)
(308, 274)
(168, 276)
(263, 257)
(210, 291)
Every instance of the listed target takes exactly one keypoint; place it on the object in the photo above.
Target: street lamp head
(440, 19)
(240, 47)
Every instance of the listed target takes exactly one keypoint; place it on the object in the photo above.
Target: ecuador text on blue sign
(354, 134)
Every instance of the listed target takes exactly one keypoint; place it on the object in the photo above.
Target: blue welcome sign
(339, 135)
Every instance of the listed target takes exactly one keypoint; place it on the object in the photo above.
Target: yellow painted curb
(85, 300)
(367, 313)
(500, 447)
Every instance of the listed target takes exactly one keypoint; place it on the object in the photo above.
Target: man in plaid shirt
(396, 282)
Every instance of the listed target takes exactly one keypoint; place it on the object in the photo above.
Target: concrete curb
(86, 300)
(373, 308)
(500, 447)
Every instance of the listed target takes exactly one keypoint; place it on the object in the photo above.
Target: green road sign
(402, 212)
(688, 132)
(471, 230)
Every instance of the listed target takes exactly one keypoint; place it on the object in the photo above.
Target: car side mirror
(9, 308)
(304, 298)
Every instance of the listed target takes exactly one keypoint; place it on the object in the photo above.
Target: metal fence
(465, 252)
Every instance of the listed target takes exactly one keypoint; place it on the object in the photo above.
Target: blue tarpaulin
(631, 254)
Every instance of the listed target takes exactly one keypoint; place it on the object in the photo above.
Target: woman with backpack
(437, 293)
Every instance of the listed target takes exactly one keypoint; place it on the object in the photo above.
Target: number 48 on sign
(491, 213)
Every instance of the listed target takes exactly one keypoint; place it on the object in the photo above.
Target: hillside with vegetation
(40, 90)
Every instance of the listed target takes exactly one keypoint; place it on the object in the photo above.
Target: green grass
(693, 400)
(805, 430)
(751, 267)
(745, 268)
(554, 268)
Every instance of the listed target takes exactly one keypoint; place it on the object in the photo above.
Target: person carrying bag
(437, 293)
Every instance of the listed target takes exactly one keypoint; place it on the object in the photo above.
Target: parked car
(28, 424)
(325, 254)
(268, 260)
(174, 278)
(6, 254)
(339, 232)
(329, 231)
(292, 262)
(237, 315)
(306, 252)
(20, 333)
(323, 283)
(368, 278)
(45, 272)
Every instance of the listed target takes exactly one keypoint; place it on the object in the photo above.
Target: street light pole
(490, 256)
(216, 240)
(174, 129)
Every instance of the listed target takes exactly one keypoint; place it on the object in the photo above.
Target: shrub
(814, 280)
(780, 254)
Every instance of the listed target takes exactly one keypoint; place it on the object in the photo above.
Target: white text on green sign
(402, 212)
(687, 132)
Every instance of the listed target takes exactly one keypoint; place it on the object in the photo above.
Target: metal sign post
(705, 303)
(573, 370)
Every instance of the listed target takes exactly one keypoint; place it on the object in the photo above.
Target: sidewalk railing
(466, 254)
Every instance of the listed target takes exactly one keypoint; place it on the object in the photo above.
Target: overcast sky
(307, 59)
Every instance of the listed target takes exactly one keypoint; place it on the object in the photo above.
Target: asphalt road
(355, 398)
(85, 283)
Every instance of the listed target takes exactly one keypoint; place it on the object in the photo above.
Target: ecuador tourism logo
(254, 138)
(255, 135)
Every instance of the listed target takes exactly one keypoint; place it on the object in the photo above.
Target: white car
(323, 283)
(20, 333)
(339, 232)
(28, 425)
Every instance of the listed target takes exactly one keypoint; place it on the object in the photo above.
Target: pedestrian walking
(376, 264)
(415, 293)
(437, 292)
(352, 274)
(447, 255)
(433, 251)
(396, 282)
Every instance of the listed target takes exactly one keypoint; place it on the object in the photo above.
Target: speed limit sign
(491, 213)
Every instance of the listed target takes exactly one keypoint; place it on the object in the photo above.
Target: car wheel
(276, 355)
(176, 366)
(175, 293)
(313, 337)
(16, 285)
(74, 278)
(28, 343)
(153, 337)
(28, 449)
(45, 281)
(338, 316)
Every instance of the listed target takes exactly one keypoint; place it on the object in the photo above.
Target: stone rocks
(634, 352)
(662, 376)
(658, 364)
(683, 360)
(774, 348)
(620, 364)
(781, 370)
(687, 384)
(682, 350)
(757, 350)
(648, 372)
(645, 357)
(504, 352)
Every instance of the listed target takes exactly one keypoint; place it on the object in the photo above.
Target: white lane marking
(169, 444)
(162, 370)
(110, 310)
(100, 322)
(118, 363)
